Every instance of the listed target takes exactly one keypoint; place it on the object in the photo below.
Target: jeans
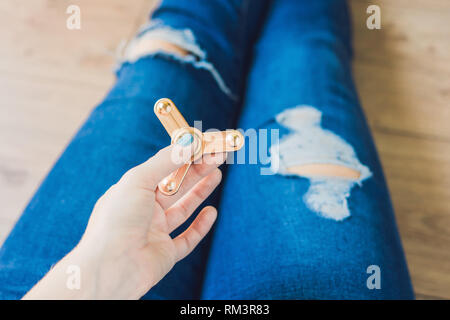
(281, 64)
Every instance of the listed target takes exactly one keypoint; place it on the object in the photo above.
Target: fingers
(194, 175)
(184, 207)
(189, 239)
(165, 161)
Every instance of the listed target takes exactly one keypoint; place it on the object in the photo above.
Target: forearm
(71, 278)
(84, 275)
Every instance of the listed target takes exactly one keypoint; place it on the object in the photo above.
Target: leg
(189, 54)
(313, 229)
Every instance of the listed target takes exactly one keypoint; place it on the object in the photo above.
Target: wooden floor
(51, 77)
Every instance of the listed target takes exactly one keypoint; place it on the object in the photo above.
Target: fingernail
(185, 140)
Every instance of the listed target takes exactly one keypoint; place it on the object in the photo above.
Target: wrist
(90, 272)
(106, 271)
(71, 278)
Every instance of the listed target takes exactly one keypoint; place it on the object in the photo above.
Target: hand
(127, 248)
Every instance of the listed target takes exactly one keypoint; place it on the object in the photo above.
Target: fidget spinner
(202, 142)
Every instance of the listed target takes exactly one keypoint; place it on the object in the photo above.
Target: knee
(321, 156)
(327, 170)
(178, 45)
(147, 46)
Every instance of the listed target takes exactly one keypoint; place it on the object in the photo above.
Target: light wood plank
(403, 75)
(50, 78)
(403, 70)
(420, 189)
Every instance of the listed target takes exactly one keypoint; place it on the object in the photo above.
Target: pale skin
(127, 248)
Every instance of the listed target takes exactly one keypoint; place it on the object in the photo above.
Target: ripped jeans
(300, 233)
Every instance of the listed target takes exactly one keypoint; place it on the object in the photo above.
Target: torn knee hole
(181, 45)
(328, 161)
(324, 170)
(150, 46)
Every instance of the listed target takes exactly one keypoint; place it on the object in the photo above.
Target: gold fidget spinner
(202, 142)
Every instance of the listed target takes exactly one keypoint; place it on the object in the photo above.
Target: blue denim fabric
(266, 244)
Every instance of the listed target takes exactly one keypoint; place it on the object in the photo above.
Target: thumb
(164, 162)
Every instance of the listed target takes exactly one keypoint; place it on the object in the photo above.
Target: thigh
(123, 132)
(310, 230)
